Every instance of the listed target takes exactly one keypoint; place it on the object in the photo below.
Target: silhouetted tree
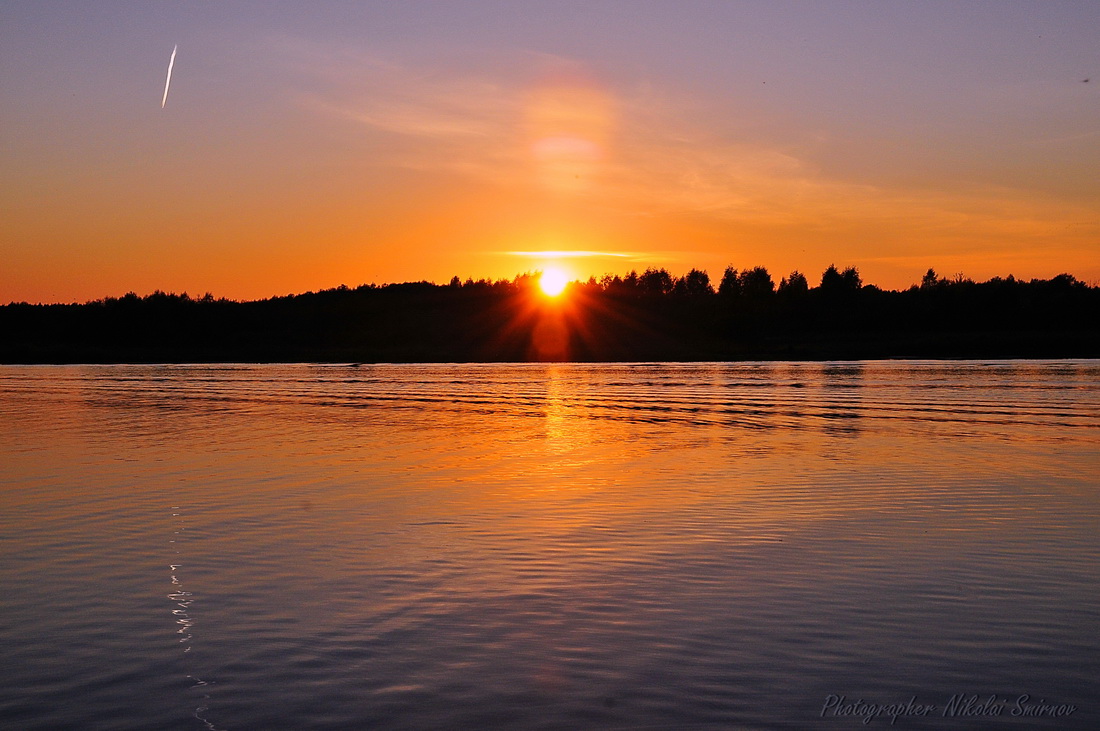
(756, 284)
(835, 282)
(656, 281)
(694, 284)
(730, 286)
(830, 280)
(793, 285)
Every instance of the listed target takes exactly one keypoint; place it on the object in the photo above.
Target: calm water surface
(549, 546)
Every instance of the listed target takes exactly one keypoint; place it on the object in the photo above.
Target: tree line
(652, 315)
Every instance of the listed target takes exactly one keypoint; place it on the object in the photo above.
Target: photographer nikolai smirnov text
(960, 705)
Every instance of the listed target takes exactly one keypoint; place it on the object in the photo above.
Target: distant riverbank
(647, 317)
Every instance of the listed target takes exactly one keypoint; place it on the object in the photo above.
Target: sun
(552, 282)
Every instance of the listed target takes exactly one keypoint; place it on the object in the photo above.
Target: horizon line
(528, 274)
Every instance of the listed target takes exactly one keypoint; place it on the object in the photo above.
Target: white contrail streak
(168, 81)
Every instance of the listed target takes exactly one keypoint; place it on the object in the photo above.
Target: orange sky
(293, 156)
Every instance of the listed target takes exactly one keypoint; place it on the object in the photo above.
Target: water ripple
(544, 546)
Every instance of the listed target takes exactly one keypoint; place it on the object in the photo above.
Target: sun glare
(552, 282)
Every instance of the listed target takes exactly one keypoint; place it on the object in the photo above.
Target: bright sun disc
(552, 282)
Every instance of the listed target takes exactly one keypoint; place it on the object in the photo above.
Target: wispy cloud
(665, 154)
(569, 254)
(439, 121)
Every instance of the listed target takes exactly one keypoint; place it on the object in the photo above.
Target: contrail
(168, 81)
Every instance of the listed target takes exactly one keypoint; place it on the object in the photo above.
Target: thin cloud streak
(168, 79)
(569, 254)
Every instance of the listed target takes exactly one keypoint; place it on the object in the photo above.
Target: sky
(307, 145)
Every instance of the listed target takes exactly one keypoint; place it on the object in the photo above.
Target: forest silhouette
(651, 316)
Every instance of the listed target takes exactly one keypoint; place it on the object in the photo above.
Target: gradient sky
(306, 145)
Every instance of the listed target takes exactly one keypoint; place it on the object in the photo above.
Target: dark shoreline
(638, 319)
